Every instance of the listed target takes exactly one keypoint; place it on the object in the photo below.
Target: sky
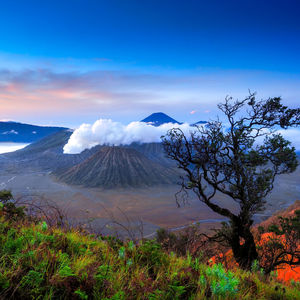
(72, 62)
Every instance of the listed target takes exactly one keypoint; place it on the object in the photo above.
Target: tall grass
(41, 262)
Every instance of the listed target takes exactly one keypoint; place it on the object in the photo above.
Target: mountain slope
(53, 143)
(24, 133)
(153, 151)
(159, 118)
(118, 167)
(47, 153)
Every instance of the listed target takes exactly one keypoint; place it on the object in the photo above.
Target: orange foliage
(288, 273)
(285, 273)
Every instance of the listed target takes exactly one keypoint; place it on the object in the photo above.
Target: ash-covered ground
(153, 206)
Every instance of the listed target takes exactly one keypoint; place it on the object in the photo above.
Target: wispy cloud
(77, 94)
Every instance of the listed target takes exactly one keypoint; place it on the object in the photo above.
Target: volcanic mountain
(159, 118)
(112, 167)
(101, 166)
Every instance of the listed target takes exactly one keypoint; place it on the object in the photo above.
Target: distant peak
(159, 118)
(159, 114)
(199, 123)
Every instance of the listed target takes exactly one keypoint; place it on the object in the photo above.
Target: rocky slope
(118, 167)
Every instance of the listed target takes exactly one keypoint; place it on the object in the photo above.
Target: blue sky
(69, 62)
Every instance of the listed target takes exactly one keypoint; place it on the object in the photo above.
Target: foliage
(223, 283)
(280, 243)
(8, 207)
(44, 262)
(189, 240)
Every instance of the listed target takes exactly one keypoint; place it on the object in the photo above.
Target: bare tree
(231, 160)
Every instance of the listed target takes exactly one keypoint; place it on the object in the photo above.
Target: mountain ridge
(25, 133)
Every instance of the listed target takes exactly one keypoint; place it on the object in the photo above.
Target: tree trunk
(243, 245)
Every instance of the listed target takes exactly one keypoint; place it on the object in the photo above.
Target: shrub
(10, 211)
(222, 283)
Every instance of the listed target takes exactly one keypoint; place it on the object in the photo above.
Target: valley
(154, 206)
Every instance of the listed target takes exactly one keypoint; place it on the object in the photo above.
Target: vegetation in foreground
(42, 262)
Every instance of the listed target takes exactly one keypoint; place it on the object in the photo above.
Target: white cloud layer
(108, 132)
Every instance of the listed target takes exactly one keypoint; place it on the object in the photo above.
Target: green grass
(41, 262)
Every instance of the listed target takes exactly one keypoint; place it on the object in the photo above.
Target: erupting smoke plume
(108, 132)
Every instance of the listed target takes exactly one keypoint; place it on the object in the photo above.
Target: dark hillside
(47, 154)
(53, 143)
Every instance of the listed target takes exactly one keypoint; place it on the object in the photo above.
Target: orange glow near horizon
(16, 99)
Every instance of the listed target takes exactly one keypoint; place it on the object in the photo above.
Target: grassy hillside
(38, 262)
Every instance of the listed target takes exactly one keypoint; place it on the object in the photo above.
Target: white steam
(107, 132)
